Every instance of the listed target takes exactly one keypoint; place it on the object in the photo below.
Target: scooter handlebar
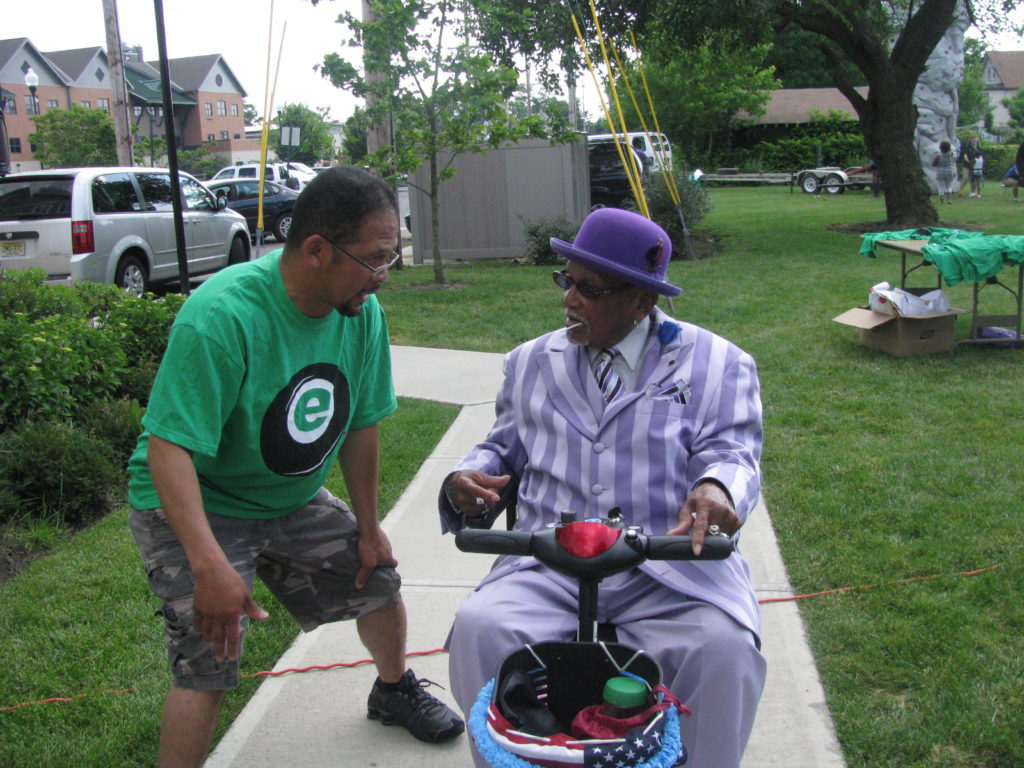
(681, 548)
(494, 542)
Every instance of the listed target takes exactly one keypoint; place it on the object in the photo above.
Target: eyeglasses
(384, 262)
(587, 291)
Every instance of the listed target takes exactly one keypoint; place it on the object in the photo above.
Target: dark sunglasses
(586, 290)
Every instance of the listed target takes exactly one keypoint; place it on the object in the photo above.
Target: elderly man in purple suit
(624, 407)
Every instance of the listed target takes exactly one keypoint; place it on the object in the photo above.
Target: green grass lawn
(876, 469)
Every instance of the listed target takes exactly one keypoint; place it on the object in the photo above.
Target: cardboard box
(903, 336)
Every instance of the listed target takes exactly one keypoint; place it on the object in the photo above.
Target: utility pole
(379, 134)
(118, 90)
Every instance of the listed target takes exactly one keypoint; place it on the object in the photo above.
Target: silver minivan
(114, 225)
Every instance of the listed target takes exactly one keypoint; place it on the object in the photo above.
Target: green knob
(625, 692)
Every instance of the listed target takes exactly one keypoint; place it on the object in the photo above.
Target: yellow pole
(631, 165)
(264, 135)
(637, 193)
(670, 179)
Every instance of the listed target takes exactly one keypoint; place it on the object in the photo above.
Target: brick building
(206, 97)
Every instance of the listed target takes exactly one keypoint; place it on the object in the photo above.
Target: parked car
(243, 196)
(609, 185)
(654, 146)
(285, 174)
(114, 225)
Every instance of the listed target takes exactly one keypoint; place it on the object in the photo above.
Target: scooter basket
(513, 729)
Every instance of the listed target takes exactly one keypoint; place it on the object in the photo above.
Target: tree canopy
(74, 137)
(315, 141)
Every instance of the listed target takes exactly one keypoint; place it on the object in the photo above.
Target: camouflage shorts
(308, 559)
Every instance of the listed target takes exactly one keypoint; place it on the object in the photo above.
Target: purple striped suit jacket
(643, 452)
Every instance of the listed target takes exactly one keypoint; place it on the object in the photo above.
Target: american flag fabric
(653, 744)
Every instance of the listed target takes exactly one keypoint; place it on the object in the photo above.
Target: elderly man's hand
(707, 505)
(472, 492)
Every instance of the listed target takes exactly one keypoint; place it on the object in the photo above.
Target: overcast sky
(237, 29)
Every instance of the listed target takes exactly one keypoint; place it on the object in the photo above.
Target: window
(87, 104)
(196, 197)
(103, 103)
(222, 108)
(249, 190)
(52, 104)
(248, 172)
(210, 137)
(137, 111)
(234, 110)
(156, 189)
(208, 110)
(238, 135)
(114, 193)
(15, 143)
(10, 107)
(30, 105)
(224, 134)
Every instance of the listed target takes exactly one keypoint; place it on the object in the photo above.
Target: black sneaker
(414, 709)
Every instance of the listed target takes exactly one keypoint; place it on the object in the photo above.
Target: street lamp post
(32, 81)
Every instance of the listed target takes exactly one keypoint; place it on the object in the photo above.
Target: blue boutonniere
(667, 332)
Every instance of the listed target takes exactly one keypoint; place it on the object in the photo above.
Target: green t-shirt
(261, 394)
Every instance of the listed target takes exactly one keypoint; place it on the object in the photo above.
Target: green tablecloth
(956, 254)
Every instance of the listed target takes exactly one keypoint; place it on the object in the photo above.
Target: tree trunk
(435, 221)
(890, 129)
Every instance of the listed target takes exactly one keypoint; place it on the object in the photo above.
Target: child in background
(945, 171)
(977, 170)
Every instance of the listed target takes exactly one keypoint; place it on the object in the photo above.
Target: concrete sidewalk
(318, 719)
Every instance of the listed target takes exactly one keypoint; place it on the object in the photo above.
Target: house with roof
(206, 98)
(1002, 72)
(794, 106)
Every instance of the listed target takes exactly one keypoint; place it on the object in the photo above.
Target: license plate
(12, 248)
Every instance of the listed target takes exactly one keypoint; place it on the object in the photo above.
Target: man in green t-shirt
(274, 368)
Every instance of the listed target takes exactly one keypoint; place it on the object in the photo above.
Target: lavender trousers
(708, 660)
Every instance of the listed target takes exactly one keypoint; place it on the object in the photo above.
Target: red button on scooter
(586, 539)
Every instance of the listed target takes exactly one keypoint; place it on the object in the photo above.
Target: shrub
(537, 235)
(52, 366)
(137, 381)
(117, 423)
(57, 471)
(692, 197)
(99, 297)
(26, 292)
(142, 326)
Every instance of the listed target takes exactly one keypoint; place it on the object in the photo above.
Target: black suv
(609, 185)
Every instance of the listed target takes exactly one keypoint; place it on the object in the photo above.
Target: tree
(974, 106)
(354, 143)
(442, 98)
(78, 136)
(250, 115)
(201, 162)
(699, 94)
(888, 44)
(315, 141)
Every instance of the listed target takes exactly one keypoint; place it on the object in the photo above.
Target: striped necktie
(607, 379)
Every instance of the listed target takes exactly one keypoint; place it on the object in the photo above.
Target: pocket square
(676, 392)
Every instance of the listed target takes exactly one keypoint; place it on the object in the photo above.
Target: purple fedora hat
(625, 245)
